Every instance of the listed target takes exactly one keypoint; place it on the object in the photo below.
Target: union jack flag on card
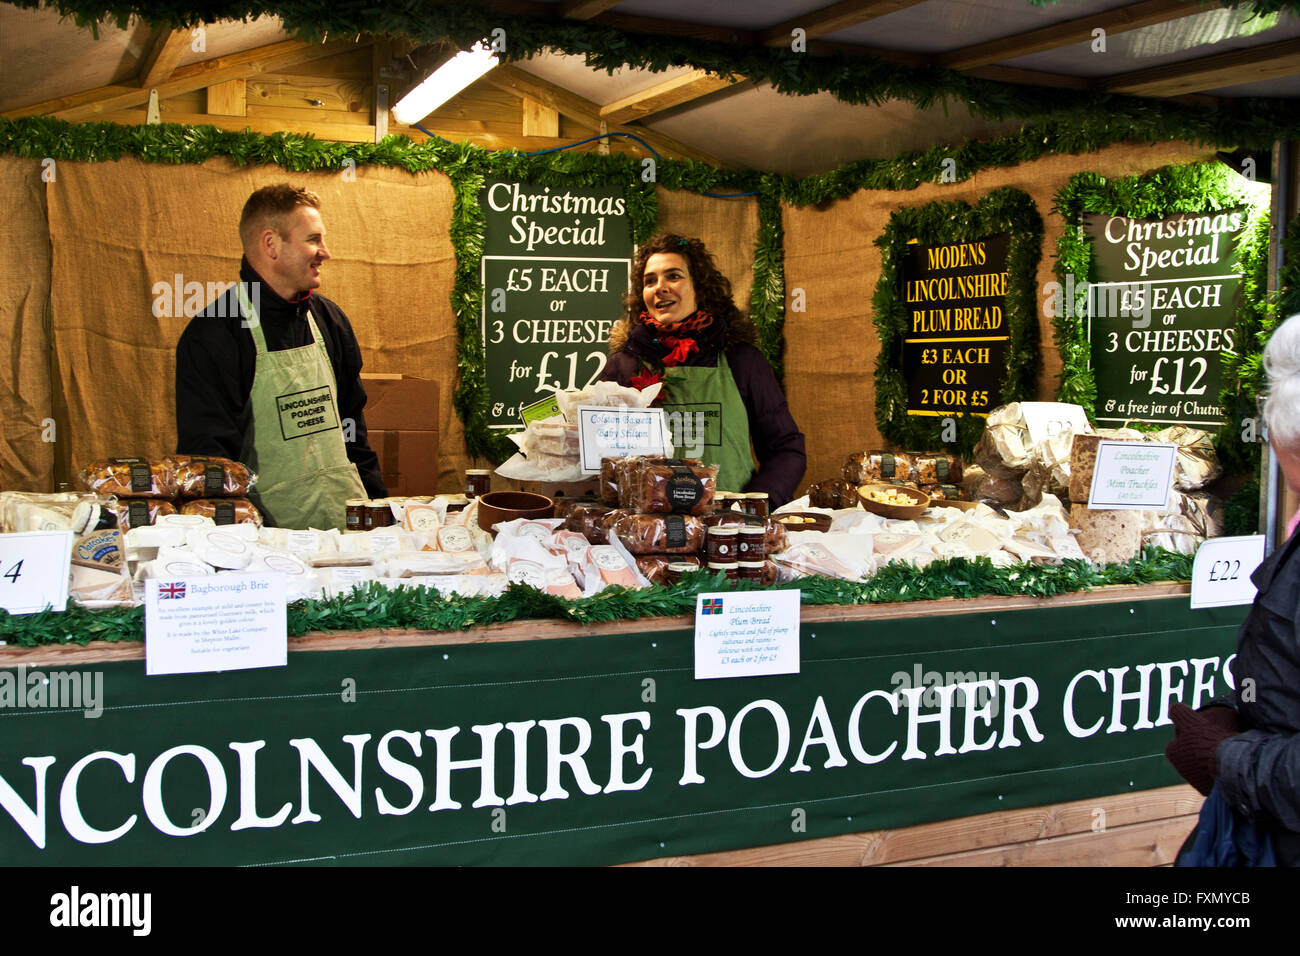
(174, 590)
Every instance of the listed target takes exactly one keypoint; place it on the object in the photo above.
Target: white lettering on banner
(394, 773)
(1169, 689)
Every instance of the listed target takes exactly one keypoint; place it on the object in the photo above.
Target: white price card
(1049, 419)
(223, 622)
(1222, 569)
(605, 432)
(1132, 476)
(746, 634)
(34, 570)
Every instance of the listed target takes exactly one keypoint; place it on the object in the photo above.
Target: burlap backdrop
(831, 348)
(26, 401)
(120, 230)
(728, 227)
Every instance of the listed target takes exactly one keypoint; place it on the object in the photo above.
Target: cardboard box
(402, 418)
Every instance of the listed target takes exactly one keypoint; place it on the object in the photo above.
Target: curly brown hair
(712, 288)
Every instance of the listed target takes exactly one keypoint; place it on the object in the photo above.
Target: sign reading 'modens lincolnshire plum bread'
(1160, 313)
(954, 352)
(556, 262)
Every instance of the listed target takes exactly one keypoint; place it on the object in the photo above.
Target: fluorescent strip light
(444, 83)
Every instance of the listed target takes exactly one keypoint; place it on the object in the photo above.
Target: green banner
(599, 748)
(555, 267)
(1161, 311)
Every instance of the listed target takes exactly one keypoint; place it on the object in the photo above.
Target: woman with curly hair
(682, 328)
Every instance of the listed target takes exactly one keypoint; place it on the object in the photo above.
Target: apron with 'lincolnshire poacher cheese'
(708, 420)
(294, 440)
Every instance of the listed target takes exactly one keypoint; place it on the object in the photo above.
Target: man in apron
(269, 374)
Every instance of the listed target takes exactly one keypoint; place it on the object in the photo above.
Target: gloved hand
(1197, 735)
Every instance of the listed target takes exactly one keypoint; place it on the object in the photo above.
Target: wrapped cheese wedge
(219, 548)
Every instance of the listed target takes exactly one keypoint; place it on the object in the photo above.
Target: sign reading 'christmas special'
(954, 353)
(1160, 312)
(556, 262)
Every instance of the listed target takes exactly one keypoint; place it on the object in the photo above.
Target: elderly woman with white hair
(1243, 751)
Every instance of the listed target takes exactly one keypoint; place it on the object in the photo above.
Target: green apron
(293, 440)
(707, 415)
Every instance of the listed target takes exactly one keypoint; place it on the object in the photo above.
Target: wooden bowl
(498, 506)
(920, 501)
(810, 521)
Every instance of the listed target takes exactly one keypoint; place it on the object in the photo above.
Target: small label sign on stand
(1132, 476)
(746, 634)
(223, 622)
(1222, 569)
(34, 568)
(605, 432)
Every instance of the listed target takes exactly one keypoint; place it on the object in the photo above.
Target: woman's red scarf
(679, 347)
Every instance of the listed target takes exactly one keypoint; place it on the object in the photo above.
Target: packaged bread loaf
(833, 493)
(139, 512)
(564, 506)
(659, 534)
(655, 566)
(224, 510)
(600, 529)
(585, 518)
(864, 466)
(936, 468)
(945, 491)
(128, 477)
(673, 487)
(198, 476)
(608, 482)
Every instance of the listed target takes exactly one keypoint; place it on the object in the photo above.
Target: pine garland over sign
(373, 606)
(858, 79)
(1004, 210)
(1194, 188)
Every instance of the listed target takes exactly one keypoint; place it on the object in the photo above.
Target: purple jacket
(778, 443)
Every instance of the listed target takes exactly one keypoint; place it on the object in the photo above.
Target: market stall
(913, 308)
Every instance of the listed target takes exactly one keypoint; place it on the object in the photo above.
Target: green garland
(374, 606)
(767, 296)
(853, 79)
(1194, 188)
(1004, 210)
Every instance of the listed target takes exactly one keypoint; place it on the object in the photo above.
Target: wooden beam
(585, 9)
(168, 48)
(540, 120)
(229, 98)
(1119, 20)
(1249, 65)
(340, 132)
(664, 96)
(526, 86)
(1009, 74)
(94, 104)
(55, 106)
(838, 16)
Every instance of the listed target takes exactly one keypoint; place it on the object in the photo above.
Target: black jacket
(215, 360)
(1259, 769)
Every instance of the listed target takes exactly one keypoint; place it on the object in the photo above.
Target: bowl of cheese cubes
(893, 501)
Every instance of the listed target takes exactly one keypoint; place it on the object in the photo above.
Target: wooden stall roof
(253, 74)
